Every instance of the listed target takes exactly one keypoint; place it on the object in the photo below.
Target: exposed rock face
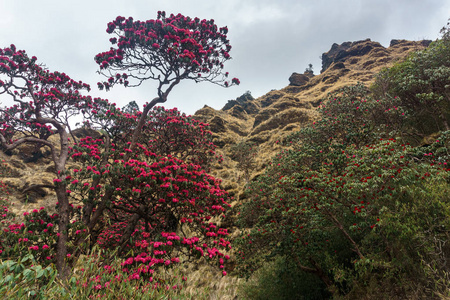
(425, 43)
(243, 100)
(344, 51)
(298, 79)
(339, 53)
(83, 132)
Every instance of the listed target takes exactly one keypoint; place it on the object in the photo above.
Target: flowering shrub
(164, 132)
(168, 132)
(115, 280)
(340, 186)
(45, 102)
(35, 233)
(158, 205)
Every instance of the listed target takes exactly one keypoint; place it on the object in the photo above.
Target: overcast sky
(270, 39)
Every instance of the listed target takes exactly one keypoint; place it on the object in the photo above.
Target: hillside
(263, 121)
(269, 118)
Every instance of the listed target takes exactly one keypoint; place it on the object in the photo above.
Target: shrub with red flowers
(45, 102)
(36, 234)
(338, 203)
(169, 132)
(165, 132)
(154, 203)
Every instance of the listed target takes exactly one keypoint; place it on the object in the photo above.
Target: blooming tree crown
(43, 99)
(167, 49)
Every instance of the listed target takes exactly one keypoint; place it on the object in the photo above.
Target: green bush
(351, 205)
(279, 279)
(25, 278)
(422, 85)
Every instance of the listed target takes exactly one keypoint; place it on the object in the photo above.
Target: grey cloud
(270, 39)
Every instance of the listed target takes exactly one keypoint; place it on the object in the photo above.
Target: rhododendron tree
(335, 201)
(154, 202)
(422, 82)
(156, 199)
(44, 103)
(167, 50)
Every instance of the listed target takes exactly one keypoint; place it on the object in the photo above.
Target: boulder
(297, 79)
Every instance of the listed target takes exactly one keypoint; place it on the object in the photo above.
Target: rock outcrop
(297, 79)
(340, 53)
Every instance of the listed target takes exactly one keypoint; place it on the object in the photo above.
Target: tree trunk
(61, 251)
(128, 231)
(444, 121)
(137, 131)
(63, 209)
(99, 211)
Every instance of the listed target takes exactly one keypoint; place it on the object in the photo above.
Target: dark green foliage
(341, 203)
(422, 83)
(280, 280)
(309, 69)
(131, 108)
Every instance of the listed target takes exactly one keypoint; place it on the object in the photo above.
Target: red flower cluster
(182, 46)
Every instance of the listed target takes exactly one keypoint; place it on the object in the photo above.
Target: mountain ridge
(262, 121)
(267, 119)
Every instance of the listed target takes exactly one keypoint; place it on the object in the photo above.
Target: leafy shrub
(25, 278)
(343, 182)
(280, 279)
(422, 84)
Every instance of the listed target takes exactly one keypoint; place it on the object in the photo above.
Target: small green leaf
(28, 274)
(40, 272)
